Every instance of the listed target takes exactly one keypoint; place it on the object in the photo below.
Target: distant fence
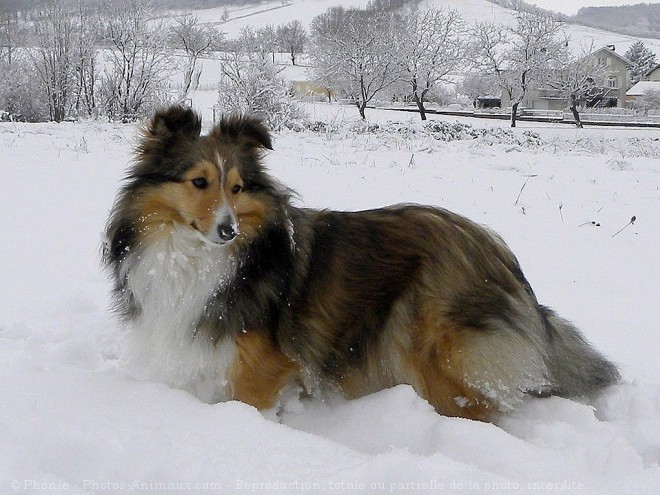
(596, 117)
(548, 116)
(591, 116)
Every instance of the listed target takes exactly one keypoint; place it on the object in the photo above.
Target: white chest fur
(172, 280)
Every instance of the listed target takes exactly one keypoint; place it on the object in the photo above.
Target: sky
(571, 7)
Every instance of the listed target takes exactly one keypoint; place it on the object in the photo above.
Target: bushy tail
(577, 368)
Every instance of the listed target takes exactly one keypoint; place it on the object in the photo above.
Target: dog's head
(213, 184)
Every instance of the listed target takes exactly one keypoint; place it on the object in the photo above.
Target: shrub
(254, 87)
(21, 96)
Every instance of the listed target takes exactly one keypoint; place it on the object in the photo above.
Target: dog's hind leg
(259, 370)
(475, 373)
(437, 372)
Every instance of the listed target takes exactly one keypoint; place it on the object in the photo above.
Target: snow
(473, 11)
(74, 419)
(643, 87)
(273, 13)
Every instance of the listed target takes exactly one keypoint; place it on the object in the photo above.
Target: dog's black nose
(226, 232)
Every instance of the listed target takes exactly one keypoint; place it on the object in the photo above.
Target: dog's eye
(236, 189)
(200, 182)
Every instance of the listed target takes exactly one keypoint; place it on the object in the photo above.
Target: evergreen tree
(643, 60)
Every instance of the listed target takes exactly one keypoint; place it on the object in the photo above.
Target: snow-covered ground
(271, 12)
(72, 419)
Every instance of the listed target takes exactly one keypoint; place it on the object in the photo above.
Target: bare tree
(256, 41)
(574, 77)
(262, 41)
(267, 40)
(195, 40)
(490, 57)
(431, 47)
(62, 53)
(9, 35)
(22, 95)
(478, 84)
(84, 59)
(517, 55)
(292, 38)
(137, 64)
(54, 37)
(353, 52)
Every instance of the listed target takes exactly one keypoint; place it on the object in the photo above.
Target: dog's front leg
(259, 370)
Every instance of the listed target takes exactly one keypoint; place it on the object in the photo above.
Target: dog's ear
(175, 121)
(243, 130)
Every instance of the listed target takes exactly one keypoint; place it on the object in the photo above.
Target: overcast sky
(572, 6)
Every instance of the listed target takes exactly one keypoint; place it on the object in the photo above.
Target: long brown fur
(353, 302)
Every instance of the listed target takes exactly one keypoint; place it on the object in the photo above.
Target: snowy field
(72, 420)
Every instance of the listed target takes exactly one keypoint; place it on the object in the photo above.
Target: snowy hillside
(272, 12)
(471, 10)
(580, 36)
(73, 420)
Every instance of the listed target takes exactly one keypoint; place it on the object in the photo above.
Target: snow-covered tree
(262, 41)
(431, 46)
(20, 93)
(354, 52)
(575, 77)
(9, 36)
(54, 38)
(643, 60)
(85, 54)
(62, 49)
(251, 84)
(292, 38)
(519, 54)
(195, 40)
(137, 64)
(477, 84)
(267, 40)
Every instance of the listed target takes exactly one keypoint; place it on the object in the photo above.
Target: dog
(234, 293)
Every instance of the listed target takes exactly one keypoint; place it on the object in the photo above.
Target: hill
(473, 11)
(642, 19)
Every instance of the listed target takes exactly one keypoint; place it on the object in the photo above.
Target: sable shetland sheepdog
(234, 293)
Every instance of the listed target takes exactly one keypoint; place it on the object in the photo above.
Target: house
(641, 90)
(615, 81)
(311, 91)
(609, 87)
(653, 74)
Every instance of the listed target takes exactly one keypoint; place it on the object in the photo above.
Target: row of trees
(114, 58)
(535, 53)
(52, 62)
(381, 52)
(365, 54)
(289, 38)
